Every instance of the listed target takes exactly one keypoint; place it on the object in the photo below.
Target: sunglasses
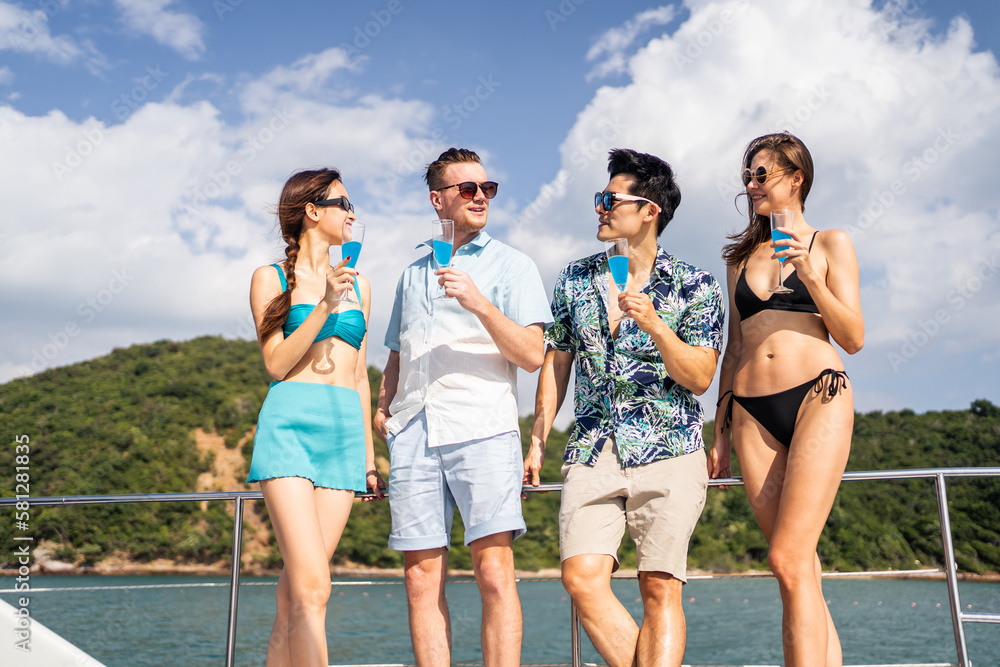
(606, 200)
(342, 202)
(761, 175)
(468, 189)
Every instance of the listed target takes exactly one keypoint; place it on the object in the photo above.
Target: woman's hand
(795, 251)
(339, 281)
(375, 484)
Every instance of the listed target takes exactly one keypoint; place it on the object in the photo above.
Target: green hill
(126, 423)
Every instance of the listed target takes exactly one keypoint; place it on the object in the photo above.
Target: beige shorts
(660, 502)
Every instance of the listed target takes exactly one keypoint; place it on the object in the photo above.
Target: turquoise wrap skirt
(310, 430)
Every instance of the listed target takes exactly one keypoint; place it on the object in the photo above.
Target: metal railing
(939, 475)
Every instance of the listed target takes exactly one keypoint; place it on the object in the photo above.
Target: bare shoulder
(364, 284)
(265, 280)
(835, 240)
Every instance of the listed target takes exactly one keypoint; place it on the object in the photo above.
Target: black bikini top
(798, 300)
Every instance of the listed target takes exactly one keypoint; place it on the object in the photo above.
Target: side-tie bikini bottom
(777, 412)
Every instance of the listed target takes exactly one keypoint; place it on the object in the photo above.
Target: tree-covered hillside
(125, 423)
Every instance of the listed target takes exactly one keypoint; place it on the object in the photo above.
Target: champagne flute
(617, 253)
(443, 243)
(781, 217)
(351, 238)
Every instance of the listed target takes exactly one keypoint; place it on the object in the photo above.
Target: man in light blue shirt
(448, 411)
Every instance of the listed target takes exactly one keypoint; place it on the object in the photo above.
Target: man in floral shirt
(636, 455)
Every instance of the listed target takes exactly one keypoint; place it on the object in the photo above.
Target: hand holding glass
(781, 217)
(443, 242)
(351, 238)
(617, 253)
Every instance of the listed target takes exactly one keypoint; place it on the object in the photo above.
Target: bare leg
(493, 562)
(792, 491)
(277, 646)
(308, 523)
(834, 655)
(587, 578)
(430, 625)
(663, 635)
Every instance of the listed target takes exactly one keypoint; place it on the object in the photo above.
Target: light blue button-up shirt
(449, 365)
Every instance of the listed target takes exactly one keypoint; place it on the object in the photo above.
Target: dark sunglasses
(606, 200)
(342, 202)
(761, 175)
(468, 189)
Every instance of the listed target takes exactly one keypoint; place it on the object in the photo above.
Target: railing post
(951, 571)
(234, 582)
(574, 616)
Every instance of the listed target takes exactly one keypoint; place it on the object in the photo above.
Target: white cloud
(27, 31)
(151, 228)
(6, 76)
(184, 33)
(901, 125)
(613, 44)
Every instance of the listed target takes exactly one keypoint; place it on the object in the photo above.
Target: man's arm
(553, 379)
(387, 392)
(520, 345)
(690, 366)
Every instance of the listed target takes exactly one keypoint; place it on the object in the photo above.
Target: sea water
(729, 622)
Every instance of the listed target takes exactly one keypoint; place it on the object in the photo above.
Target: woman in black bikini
(784, 396)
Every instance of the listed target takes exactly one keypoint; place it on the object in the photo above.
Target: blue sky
(144, 139)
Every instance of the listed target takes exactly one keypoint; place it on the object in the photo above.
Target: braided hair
(300, 189)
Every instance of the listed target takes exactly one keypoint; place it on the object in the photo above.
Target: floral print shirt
(622, 386)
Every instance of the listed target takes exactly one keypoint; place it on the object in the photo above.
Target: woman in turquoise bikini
(313, 446)
(784, 397)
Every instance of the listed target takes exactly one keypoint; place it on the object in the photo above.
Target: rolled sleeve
(560, 336)
(702, 321)
(526, 303)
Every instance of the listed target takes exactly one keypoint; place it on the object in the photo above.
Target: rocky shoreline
(45, 564)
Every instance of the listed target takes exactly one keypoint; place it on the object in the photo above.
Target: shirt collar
(480, 241)
(664, 262)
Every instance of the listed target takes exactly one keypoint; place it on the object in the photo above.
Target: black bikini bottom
(777, 412)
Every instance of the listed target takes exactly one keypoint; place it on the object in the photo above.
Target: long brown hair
(789, 153)
(300, 189)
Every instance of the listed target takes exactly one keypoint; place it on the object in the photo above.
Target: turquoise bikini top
(349, 325)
